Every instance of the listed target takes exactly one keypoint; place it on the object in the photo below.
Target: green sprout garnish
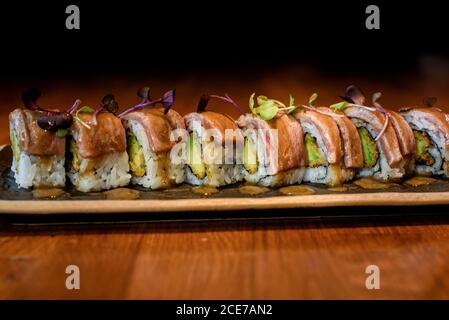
(267, 108)
(84, 109)
(340, 106)
(312, 99)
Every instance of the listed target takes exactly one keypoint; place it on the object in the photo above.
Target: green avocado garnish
(194, 156)
(15, 146)
(423, 144)
(136, 156)
(369, 148)
(250, 156)
(316, 156)
(75, 158)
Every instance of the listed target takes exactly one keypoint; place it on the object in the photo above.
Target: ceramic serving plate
(14, 200)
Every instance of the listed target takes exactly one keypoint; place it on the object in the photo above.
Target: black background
(217, 36)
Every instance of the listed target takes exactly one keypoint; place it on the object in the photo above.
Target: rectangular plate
(19, 201)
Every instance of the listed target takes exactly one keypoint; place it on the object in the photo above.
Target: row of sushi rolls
(271, 144)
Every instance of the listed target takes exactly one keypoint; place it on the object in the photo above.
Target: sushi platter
(149, 158)
(68, 200)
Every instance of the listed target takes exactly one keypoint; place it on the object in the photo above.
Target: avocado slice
(369, 148)
(15, 147)
(195, 158)
(75, 158)
(136, 156)
(423, 144)
(315, 155)
(250, 155)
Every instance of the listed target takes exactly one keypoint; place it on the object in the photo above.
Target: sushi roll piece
(150, 140)
(387, 144)
(97, 156)
(332, 144)
(431, 133)
(38, 153)
(211, 147)
(274, 152)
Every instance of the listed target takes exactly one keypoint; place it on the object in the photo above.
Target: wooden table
(240, 259)
(289, 258)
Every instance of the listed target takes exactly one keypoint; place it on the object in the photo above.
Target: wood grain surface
(246, 259)
(252, 259)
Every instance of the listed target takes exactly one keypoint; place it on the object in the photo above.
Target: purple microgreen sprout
(54, 121)
(430, 102)
(166, 100)
(30, 97)
(205, 98)
(355, 98)
(108, 104)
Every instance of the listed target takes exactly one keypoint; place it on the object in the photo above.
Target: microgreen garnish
(49, 120)
(312, 99)
(376, 96)
(251, 103)
(166, 100)
(84, 109)
(205, 98)
(266, 108)
(340, 106)
(291, 103)
(144, 93)
(30, 97)
(108, 104)
(430, 102)
(354, 97)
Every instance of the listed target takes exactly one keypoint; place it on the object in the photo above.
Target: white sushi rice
(262, 176)
(218, 173)
(161, 170)
(381, 170)
(109, 171)
(34, 171)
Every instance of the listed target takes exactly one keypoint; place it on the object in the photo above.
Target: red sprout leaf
(430, 102)
(144, 93)
(58, 121)
(109, 104)
(202, 103)
(74, 107)
(166, 100)
(30, 97)
(48, 120)
(354, 95)
(204, 100)
(55, 121)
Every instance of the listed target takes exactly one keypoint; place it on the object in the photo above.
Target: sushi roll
(332, 144)
(150, 140)
(431, 133)
(386, 139)
(38, 153)
(211, 147)
(97, 156)
(274, 152)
